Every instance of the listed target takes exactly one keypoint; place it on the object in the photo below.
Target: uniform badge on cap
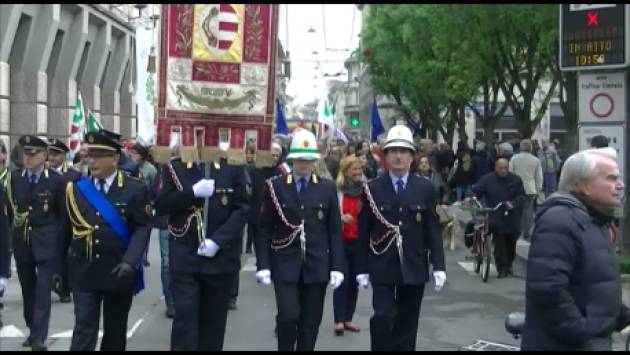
(305, 143)
(418, 217)
(27, 139)
(224, 200)
(91, 139)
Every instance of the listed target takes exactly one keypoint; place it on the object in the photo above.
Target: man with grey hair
(573, 293)
(529, 169)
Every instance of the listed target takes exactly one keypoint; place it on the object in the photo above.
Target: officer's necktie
(32, 181)
(302, 187)
(101, 184)
(400, 186)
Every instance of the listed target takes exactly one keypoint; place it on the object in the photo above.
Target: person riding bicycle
(496, 187)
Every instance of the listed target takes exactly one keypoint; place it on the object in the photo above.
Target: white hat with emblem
(399, 136)
(303, 146)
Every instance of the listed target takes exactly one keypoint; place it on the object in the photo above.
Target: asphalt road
(465, 311)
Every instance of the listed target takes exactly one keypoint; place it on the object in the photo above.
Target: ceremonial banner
(219, 60)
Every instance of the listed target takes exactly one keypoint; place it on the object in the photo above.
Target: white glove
(439, 277)
(336, 278)
(363, 280)
(208, 248)
(204, 188)
(264, 277)
(3, 283)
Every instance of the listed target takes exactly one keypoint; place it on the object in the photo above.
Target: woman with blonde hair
(349, 188)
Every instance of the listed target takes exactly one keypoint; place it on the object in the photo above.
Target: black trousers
(36, 282)
(345, 296)
(200, 310)
(87, 312)
(300, 310)
(394, 325)
(504, 251)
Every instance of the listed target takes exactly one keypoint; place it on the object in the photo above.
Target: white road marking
(10, 331)
(470, 268)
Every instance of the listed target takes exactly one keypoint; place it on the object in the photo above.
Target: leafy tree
(434, 60)
(526, 39)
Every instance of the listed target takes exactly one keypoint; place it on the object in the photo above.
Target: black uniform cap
(104, 140)
(58, 145)
(32, 144)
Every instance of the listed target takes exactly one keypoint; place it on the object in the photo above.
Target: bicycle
(482, 238)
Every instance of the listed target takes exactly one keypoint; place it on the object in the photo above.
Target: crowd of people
(347, 215)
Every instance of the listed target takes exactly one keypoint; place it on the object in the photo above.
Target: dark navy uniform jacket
(36, 241)
(414, 212)
(319, 208)
(227, 215)
(90, 268)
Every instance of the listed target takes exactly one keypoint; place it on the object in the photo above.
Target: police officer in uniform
(109, 227)
(398, 235)
(57, 151)
(207, 205)
(298, 245)
(57, 162)
(34, 196)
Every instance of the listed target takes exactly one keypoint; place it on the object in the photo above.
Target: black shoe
(510, 271)
(65, 298)
(232, 304)
(27, 343)
(37, 345)
(170, 312)
(146, 263)
(502, 275)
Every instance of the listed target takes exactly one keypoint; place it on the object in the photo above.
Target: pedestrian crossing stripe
(11, 331)
(470, 268)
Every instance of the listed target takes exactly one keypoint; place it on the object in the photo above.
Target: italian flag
(76, 127)
(93, 124)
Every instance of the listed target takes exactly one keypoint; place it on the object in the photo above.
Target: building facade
(51, 52)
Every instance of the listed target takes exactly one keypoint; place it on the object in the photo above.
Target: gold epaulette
(19, 219)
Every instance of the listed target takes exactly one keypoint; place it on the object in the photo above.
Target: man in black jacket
(573, 293)
(108, 223)
(207, 205)
(496, 187)
(298, 244)
(34, 196)
(398, 235)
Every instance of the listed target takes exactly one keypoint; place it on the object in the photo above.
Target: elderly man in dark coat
(496, 187)
(573, 294)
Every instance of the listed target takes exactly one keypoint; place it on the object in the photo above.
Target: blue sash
(111, 216)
